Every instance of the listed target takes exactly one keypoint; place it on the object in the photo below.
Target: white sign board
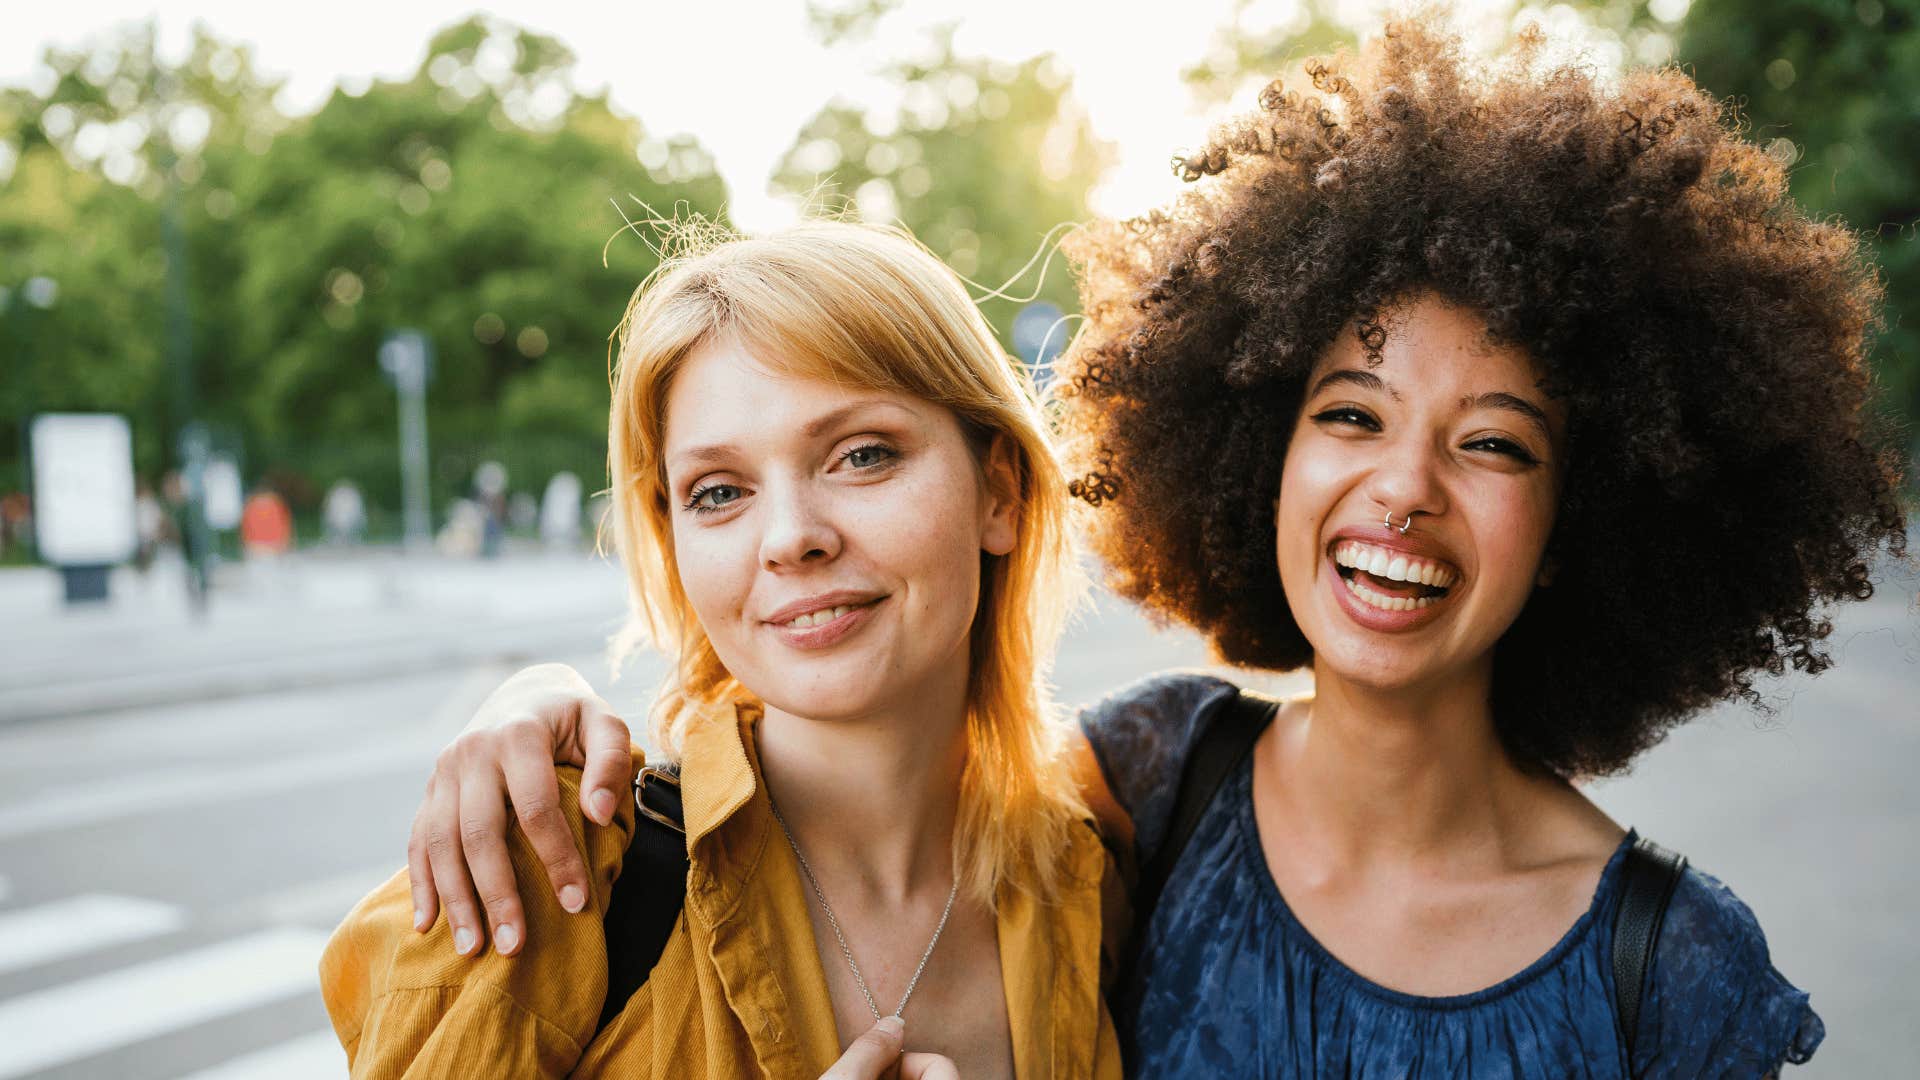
(83, 488)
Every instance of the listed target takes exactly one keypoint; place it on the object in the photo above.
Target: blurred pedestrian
(266, 525)
(490, 493)
(16, 520)
(560, 512)
(343, 514)
(151, 525)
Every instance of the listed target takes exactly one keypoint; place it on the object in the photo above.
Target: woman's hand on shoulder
(875, 1055)
(457, 851)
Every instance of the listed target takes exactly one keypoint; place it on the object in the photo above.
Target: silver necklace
(847, 952)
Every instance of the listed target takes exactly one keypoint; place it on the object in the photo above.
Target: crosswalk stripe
(47, 1027)
(310, 1057)
(80, 924)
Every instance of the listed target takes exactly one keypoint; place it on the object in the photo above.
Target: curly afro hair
(1722, 483)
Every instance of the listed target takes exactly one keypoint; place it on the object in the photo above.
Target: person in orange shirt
(266, 525)
(834, 501)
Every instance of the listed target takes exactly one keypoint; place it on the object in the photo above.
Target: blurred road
(187, 809)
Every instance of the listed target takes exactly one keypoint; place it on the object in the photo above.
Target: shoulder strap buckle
(656, 794)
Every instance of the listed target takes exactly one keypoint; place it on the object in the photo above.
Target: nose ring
(1388, 523)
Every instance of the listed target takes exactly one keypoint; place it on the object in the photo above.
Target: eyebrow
(814, 428)
(1364, 379)
(1511, 403)
(1496, 399)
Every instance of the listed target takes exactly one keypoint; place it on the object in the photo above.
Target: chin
(1366, 664)
(826, 696)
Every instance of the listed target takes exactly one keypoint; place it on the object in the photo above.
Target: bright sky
(741, 75)
(745, 75)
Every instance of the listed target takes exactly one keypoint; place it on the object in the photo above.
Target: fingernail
(463, 941)
(419, 919)
(892, 1025)
(603, 806)
(573, 898)
(505, 938)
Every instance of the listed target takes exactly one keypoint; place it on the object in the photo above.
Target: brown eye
(1349, 416)
(1504, 446)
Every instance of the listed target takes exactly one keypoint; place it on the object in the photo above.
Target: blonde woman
(838, 515)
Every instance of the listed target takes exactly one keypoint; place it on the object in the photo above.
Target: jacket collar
(717, 775)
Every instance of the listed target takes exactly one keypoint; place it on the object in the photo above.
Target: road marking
(81, 924)
(68, 808)
(321, 903)
(45, 1028)
(310, 1057)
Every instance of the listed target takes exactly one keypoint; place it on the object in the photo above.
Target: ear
(1000, 504)
(1549, 567)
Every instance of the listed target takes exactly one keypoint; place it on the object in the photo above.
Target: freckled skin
(801, 520)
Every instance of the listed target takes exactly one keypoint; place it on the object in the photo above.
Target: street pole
(407, 359)
(190, 434)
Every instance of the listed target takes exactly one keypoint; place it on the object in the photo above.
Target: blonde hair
(862, 306)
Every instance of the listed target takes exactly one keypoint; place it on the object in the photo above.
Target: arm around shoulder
(405, 1004)
(1140, 737)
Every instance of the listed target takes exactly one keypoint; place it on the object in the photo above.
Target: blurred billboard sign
(83, 488)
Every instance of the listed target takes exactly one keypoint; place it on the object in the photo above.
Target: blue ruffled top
(1229, 984)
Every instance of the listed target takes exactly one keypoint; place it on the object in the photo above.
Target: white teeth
(817, 618)
(1388, 603)
(1392, 565)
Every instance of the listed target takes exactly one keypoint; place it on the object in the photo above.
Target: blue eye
(869, 455)
(705, 500)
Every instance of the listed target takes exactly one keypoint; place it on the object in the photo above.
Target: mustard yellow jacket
(738, 992)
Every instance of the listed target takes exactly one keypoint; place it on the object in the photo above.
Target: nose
(1406, 480)
(799, 530)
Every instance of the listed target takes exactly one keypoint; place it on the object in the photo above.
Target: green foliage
(1838, 80)
(472, 201)
(982, 161)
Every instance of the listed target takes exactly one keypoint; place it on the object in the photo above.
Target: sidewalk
(317, 618)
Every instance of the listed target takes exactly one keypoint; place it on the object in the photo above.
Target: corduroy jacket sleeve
(406, 1005)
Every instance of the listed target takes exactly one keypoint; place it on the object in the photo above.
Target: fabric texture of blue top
(1229, 984)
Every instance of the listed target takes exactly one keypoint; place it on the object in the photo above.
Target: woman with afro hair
(1549, 409)
(1524, 409)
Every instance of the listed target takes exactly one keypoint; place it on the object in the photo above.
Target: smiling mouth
(823, 616)
(1392, 580)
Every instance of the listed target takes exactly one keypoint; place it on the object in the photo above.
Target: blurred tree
(84, 164)
(472, 200)
(1832, 85)
(982, 159)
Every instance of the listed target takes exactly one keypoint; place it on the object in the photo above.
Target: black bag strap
(651, 889)
(1651, 873)
(1224, 743)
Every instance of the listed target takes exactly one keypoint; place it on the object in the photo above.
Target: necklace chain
(846, 951)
